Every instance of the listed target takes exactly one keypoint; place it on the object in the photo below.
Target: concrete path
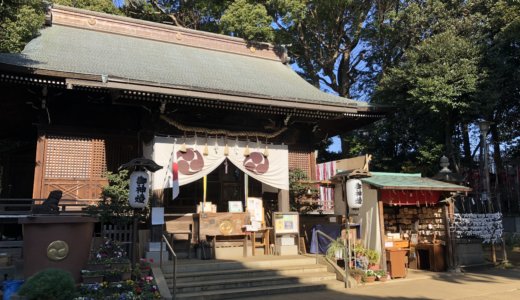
(486, 283)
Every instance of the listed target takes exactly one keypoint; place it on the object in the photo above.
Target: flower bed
(123, 290)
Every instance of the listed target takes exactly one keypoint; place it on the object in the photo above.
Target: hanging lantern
(354, 193)
(139, 189)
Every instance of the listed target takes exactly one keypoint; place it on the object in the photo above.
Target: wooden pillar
(380, 209)
(449, 255)
(283, 201)
(38, 167)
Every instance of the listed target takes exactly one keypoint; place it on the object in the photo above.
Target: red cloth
(410, 197)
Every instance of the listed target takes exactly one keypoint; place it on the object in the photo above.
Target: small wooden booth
(404, 218)
(413, 220)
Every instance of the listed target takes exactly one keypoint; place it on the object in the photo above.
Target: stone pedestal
(60, 242)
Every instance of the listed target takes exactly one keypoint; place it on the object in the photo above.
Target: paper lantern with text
(139, 189)
(354, 193)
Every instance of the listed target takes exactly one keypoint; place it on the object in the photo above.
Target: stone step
(246, 273)
(242, 293)
(213, 265)
(238, 283)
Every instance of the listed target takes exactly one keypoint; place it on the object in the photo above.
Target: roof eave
(420, 188)
(96, 81)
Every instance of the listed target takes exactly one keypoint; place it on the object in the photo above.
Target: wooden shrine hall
(93, 91)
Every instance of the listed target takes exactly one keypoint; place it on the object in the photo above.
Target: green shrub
(114, 208)
(49, 284)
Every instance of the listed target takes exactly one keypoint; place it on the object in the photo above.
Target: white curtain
(276, 175)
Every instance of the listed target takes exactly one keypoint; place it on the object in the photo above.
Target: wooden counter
(430, 257)
(396, 262)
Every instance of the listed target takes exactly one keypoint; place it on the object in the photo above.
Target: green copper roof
(400, 181)
(82, 51)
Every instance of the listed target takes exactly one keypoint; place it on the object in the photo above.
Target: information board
(286, 222)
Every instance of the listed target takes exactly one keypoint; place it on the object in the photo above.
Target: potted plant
(112, 275)
(89, 276)
(124, 270)
(373, 258)
(370, 276)
(381, 275)
(336, 249)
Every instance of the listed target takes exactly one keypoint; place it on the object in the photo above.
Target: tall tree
(195, 14)
(325, 38)
(106, 6)
(19, 23)
(439, 81)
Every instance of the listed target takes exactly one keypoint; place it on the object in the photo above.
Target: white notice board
(286, 222)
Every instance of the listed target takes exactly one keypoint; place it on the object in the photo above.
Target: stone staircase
(249, 277)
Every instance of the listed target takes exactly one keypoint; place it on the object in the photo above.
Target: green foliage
(105, 6)
(336, 249)
(356, 272)
(49, 284)
(247, 20)
(201, 15)
(500, 88)
(19, 23)
(372, 256)
(302, 196)
(114, 206)
(323, 35)
(440, 78)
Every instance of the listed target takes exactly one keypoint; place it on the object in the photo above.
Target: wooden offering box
(225, 223)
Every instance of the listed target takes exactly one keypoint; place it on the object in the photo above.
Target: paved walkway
(484, 283)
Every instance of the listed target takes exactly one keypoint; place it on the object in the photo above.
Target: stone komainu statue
(50, 205)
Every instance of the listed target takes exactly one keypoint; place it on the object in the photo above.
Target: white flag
(172, 174)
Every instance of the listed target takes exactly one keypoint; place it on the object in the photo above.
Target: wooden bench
(172, 229)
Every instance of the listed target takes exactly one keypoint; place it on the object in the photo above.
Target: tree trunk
(468, 159)
(499, 164)
(448, 134)
(344, 75)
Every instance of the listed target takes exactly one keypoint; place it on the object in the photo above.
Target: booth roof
(75, 48)
(402, 181)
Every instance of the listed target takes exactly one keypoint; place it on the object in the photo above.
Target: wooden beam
(38, 166)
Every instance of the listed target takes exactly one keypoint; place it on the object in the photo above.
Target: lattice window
(301, 158)
(73, 157)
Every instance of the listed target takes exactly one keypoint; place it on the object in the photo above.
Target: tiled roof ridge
(97, 21)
